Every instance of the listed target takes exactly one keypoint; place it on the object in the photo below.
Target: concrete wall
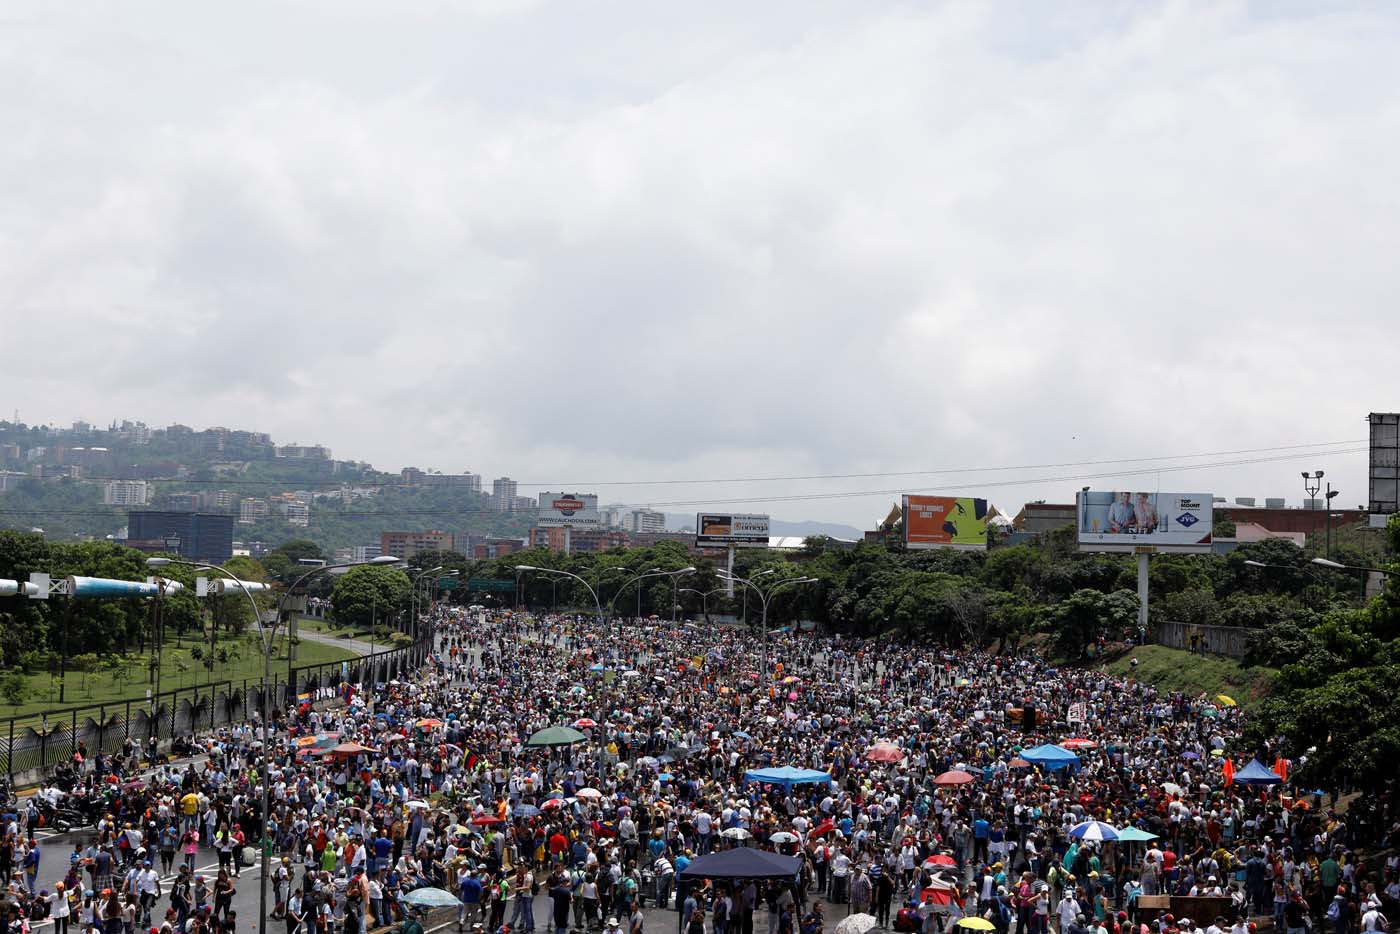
(1230, 641)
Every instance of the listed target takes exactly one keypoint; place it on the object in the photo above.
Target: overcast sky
(580, 242)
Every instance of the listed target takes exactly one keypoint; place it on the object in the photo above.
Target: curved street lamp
(764, 595)
(268, 636)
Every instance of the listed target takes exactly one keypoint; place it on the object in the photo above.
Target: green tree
(362, 592)
(1075, 623)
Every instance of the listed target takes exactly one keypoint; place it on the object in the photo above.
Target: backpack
(1334, 910)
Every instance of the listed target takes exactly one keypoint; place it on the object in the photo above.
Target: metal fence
(39, 740)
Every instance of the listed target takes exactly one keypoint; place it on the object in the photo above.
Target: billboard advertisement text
(1125, 521)
(720, 530)
(945, 522)
(557, 510)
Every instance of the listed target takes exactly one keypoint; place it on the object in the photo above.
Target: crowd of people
(927, 815)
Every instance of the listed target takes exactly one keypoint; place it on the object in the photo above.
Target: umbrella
(552, 803)
(556, 736)
(884, 752)
(1190, 755)
(1079, 742)
(431, 898)
(939, 859)
(858, 923)
(348, 749)
(595, 668)
(742, 735)
(1018, 763)
(487, 820)
(976, 923)
(646, 761)
(954, 777)
(1094, 830)
(631, 674)
(1226, 699)
(665, 777)
(589, 793)
(428, 723)
(1171, 788)
(1135, 835)
(417, 805)
(583, 723)
(526, 810)
(782, 836)
(736, 833)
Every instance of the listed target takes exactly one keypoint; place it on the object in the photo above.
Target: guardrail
(37, 741)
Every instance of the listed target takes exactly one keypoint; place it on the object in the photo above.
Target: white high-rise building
(503, 494)
(126, 493)
(645, 520)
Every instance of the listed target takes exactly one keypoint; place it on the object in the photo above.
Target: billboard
(1384, 497)
(1126, 521)
(574, 510)
(944, 522)
(720, 530)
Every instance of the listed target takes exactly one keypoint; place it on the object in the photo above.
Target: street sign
(485, 585)
(447, 583)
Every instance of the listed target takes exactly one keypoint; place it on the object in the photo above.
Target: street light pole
(1312, 482)
(704, 598)
(268, 637)
(764, 597)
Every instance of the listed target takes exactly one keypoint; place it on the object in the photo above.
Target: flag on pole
(1229, 772)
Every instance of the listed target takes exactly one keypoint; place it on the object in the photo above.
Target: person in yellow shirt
(189, 806)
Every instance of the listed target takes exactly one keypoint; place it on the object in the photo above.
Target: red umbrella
(938, 859)
(551, 804)
(1079, 743)
(884, 752)
(583, 723)
(348, 749)
(824, 828)
(1018, 763)
(954, 777)
(487, 820)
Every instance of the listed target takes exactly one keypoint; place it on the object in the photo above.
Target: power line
(460, 512)
(583, 484)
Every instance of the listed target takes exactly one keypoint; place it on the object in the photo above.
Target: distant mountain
(682, 521)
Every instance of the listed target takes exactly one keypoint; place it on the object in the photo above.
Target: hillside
(1179, 670)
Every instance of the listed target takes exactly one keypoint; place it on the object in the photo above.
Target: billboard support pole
(729, 566)
(1143, 561)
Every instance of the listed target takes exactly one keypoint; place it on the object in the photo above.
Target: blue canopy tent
(787, 776)
(743, 863)
(1256, 773)
(1051, 757)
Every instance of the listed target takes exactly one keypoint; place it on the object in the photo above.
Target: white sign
(1077, 712)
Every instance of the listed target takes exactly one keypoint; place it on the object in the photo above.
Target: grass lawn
(127, 677)
(1179, 670)
(312, 624)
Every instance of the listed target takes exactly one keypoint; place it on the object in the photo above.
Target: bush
(400, 640)
(14, 687)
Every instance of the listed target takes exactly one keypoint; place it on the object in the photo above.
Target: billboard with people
(944, 522)
(1125, 521)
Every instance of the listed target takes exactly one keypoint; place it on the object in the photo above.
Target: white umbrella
(589, 793)
(629, 673)
(782, 836)
(417, 805)
(1094, 830)
(1171, 788)
(858, 923)
(736, 833)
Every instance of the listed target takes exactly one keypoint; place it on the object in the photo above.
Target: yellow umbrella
(974, 923)
(1226, 699)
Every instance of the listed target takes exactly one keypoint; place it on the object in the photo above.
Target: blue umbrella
(526, 810)
(664, 776)
(1190, 755)
(596, 668)
(432, 898)
(742, 735)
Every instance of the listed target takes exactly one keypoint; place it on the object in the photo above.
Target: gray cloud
(567, 242)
